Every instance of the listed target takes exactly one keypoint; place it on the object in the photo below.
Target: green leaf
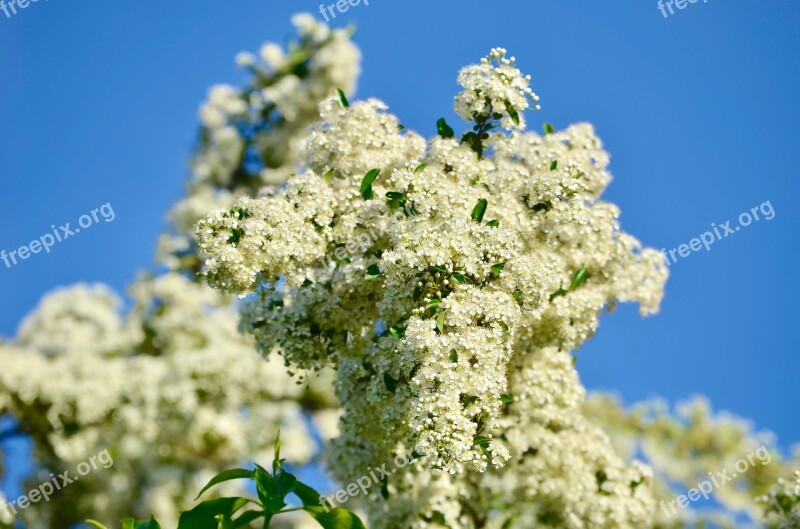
(505, 399)
(236, 235)
(479, 210)
(343, 98)
(224, 522)
(96, 524)
(336, 518)
(482, 441)
(512, 112)
(307, 495)
(579, 277)
(397, 331)
(247, 518)
(497, 268)
(454, 356)
(204, 515)
(273, 489)
(226, 475)
(372, 272)
(420, 168)
(469, 137)
(440, 322)
(128, 523)
(554, 165)
(277, 457)
(548, 129)
(471, 399)
(542, 206)
(366, 183)
(391, 384)
(494, 223)
(459, 277)
(434, 303)
(517, 296)
(444, 130)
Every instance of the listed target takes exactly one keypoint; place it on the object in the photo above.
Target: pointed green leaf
(204, 515)
(494, 223)
(277, 458)
(479, 210)
(512, 112)
(548, 129)
(96, 524)
(505, 399)
(343, 98)
(336, 518)
(420, 168)
(366, 183)
(554, 165)
(307, 495)
(227, 475)
(440, 322)
(454, 356)
(579, 277)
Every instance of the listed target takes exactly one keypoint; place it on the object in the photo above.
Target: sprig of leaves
(272, 488)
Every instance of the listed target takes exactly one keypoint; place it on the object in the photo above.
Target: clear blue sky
(700, 112)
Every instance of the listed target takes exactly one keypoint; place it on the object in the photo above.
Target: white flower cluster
(495, 86)
(156, 388)
(487, 259)
(784, 502)
(684, 445)
(171, 388)
(251, 137)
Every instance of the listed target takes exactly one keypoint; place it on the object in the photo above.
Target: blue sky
(699, 111)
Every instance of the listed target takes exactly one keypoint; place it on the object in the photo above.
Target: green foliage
(343, 98)
(366, 183)
(444, 130)
(479, 210)
(273, 488)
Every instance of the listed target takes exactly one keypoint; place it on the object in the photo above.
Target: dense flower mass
(153, 388)
(783, 501)
(446, 282)
(252, 136)
(171, 388)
